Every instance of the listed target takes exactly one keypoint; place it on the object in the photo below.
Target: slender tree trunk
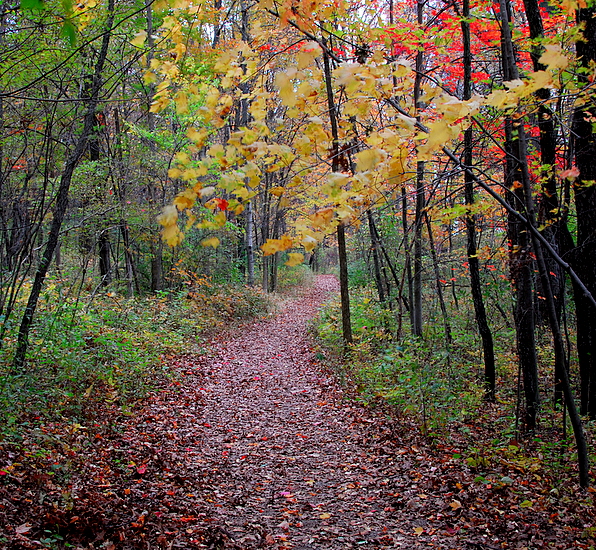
(376, 259)
(440, 296)
(472, 250)
(105, 264)
(408, 257)
(341, 230)
(156, 246)
(156, 265)
(250, 246)
(61, 203)
(550, 215)
(521, 255)
(420, 197)
(243, 121)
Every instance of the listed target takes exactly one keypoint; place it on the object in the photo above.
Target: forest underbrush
(106, 350)
(437, 393)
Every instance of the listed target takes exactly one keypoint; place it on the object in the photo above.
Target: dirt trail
(291, 464)
(253, 445)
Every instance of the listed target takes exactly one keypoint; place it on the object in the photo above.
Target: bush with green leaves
(109, 350)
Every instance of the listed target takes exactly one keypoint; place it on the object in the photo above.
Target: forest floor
(255, 445)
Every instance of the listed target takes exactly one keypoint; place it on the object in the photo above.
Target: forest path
(276, 458)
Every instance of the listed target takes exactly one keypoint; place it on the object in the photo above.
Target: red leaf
(222, 204)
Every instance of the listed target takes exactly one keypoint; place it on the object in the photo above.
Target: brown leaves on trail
(252, 445)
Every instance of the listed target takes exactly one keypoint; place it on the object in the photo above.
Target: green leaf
(69, 32)
(526, 504)
(32, 5)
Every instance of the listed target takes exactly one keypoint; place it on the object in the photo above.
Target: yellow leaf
(309, 243)
(239, 209)
(186, 199)
(196, 136)
(322, 217)
(181, 101)
(149, 77)
(553, 58)
(172, 235)
(242, 193)
(183, 157)
(159, 104)
(206, 191)
(286, 89)
(277, 191)
(309, 51)
(541, 79)
(368, 159)
(419, 530)
(139, 39)
(295, 258)
(277, 245)
(168, 216)
(212, 241)
(270, 247)
(286, 242)
(325, 516)
(220, 218)
(174, 173)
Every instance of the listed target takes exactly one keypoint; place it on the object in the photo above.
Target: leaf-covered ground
(254, 445)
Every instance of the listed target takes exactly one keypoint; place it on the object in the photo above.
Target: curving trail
(277, 458)
(290, 459)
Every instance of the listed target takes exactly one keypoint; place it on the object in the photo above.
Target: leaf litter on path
(254, 445)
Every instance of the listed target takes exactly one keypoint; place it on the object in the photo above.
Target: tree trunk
(550, 214)
(441, 298)
(250, 247)
(420, 198)
(341, 231)
(472, 250)
(585, 202)
(105, 265)
(521, 255)
(376, 259)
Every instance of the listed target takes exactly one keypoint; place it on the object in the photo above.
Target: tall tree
(584, 142)
(91, 100)
(472, 248)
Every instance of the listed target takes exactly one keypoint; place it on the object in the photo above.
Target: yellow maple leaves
(277, 245)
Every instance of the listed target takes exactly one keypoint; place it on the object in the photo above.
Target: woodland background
(436, 155)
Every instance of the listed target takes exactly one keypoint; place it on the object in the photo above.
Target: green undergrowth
(418, 377)
(295, 277)
(441, 391)
(107, 350)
